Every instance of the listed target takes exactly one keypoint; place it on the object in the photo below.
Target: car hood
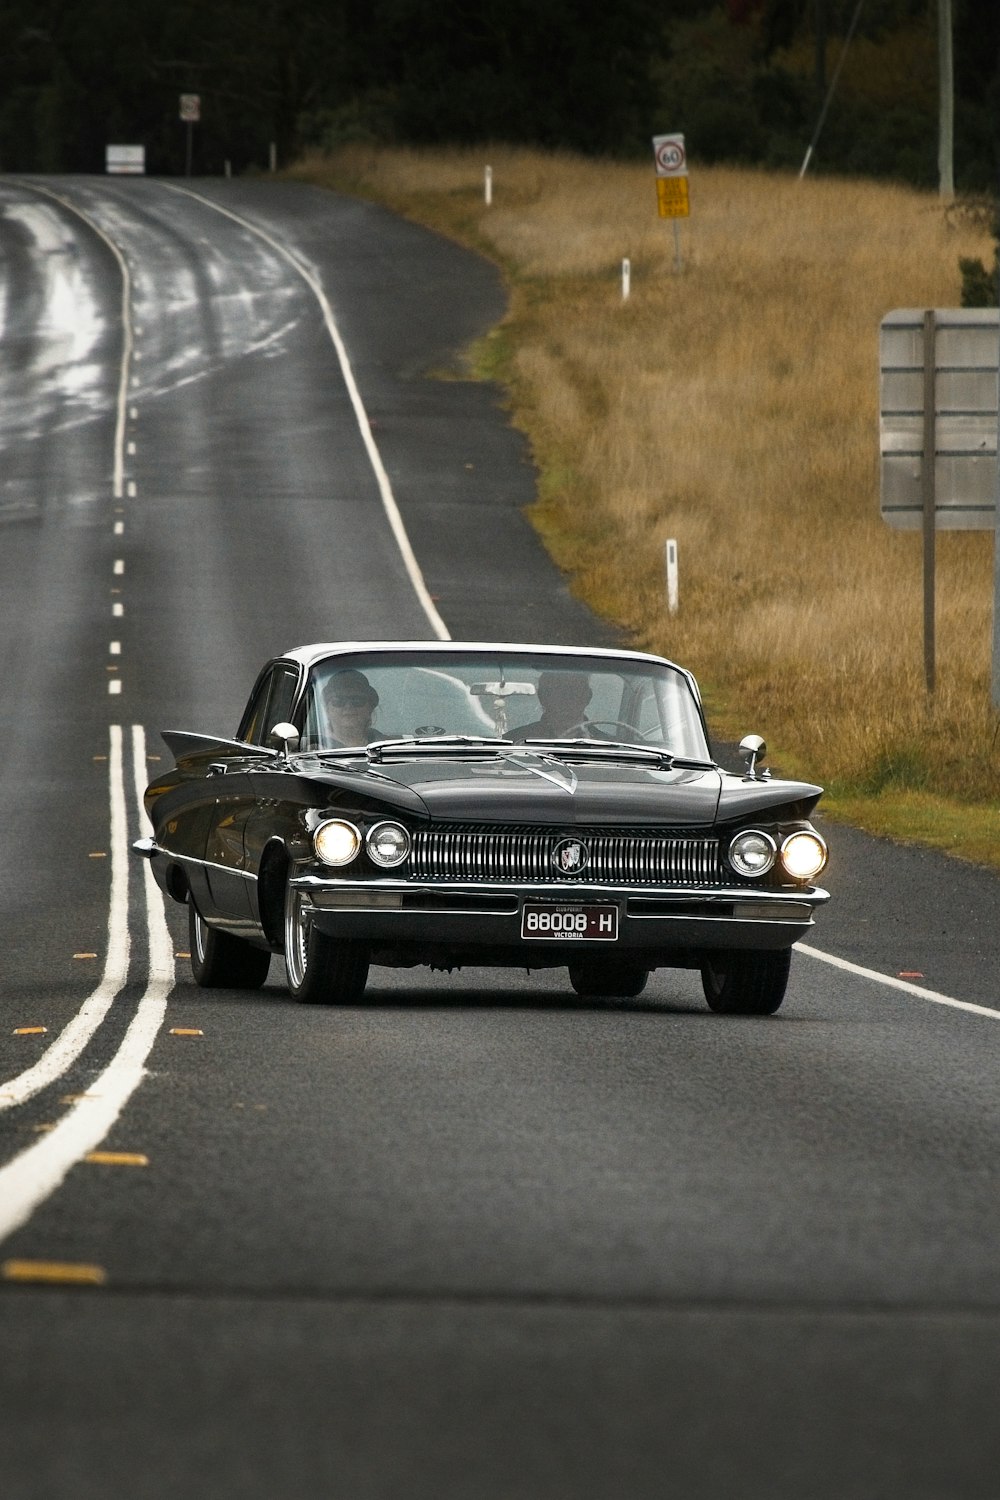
(548, 790)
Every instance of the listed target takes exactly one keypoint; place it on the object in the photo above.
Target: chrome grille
(636, 857)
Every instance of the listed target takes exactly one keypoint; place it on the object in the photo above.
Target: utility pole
(946, 104)
(820, 69)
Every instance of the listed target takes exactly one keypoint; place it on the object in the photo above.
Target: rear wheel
(746, 983)
(597, 977)
(221, 961)
(320, 970)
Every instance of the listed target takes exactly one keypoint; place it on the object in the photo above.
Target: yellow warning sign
(672, 197)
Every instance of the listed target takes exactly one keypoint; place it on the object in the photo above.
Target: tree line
(743, 78)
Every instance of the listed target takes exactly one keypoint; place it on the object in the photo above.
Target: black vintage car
(480, 804)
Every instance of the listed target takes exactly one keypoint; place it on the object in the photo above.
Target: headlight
(388, 844)
(752, 852)
(803, 855)
(336, 842)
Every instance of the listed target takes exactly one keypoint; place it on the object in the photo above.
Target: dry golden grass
(734, 406)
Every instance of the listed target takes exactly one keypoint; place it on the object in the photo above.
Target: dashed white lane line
(119, 528)
(897, 984)
(389, 505)
(119, 567)
(131, 489)
(36, 1173)
(115, 687)
(117, 610)
(114, 648)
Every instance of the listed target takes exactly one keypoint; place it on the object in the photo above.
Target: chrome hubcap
(296, 939)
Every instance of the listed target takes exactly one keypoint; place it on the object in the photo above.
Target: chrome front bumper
(387, 912)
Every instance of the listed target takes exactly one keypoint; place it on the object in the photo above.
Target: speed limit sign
(670, 155)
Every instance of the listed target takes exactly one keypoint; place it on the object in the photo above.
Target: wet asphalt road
(474, 1238)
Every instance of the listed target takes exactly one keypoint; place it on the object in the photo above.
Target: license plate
(565, 922)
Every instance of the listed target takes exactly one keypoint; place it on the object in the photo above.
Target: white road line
(34, 1175)
(127, 338)
(70, 1042)
(389, 505)
(897, 984)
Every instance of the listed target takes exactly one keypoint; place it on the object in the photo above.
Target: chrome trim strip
(811, 896)
(205, 864)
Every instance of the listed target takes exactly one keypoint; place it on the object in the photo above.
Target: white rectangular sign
(125, 159)
(966, 341)
(670, 156)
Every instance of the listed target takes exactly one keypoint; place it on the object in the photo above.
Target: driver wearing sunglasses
(350, 702)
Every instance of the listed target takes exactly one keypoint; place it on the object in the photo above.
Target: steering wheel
(631, 733)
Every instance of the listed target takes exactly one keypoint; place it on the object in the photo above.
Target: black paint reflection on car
(482, 805)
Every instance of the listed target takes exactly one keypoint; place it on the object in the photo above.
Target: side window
(279, 705)
(252, 725)
(270, 704)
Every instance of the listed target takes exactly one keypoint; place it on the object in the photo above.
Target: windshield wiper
(434, 744)
(577, 749)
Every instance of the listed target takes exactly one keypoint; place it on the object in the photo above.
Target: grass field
(733, 406)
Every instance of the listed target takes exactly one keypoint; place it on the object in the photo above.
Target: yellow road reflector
(29, 1030)
(42, 1129)
(117, 1158)
(181, 954)
(98, 854)
(84, 955)
(185, 1031)
(54, 1272)
(99, 757)
(75, 1098)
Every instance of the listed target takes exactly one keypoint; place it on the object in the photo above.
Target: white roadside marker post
(488, 186)
(671, 550)
(626, 278)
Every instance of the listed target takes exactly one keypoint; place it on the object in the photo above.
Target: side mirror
(284, 737)
(752, 749)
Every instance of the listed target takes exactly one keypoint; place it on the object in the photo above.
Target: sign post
(672, 196)
(190, 113)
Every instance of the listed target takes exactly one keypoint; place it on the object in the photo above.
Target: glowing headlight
(388, 844)
(803, 855)
(752, 852)
(337, 843)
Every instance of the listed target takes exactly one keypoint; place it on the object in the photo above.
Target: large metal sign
(938, 438)
(952, 352)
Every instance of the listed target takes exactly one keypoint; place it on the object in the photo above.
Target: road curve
(473, 1238)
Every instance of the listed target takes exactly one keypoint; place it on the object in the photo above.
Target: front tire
(599, 978)
(220, 961)
(320, 971)
(747, 983)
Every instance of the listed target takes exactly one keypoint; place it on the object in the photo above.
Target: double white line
(38, 1171)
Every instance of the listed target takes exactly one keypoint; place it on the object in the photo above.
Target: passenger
(350, 701)
(564, 697)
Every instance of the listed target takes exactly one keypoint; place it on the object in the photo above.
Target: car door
(229, 873)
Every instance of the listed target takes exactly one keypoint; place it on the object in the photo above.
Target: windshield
(527, 697)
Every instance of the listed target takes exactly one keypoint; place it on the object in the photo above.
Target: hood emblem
(570, 857)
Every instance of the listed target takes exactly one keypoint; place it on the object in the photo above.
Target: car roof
(307, 656)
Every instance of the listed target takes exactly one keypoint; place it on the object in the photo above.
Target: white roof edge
(307, 655)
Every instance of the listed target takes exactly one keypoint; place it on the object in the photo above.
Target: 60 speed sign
(670, 155)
